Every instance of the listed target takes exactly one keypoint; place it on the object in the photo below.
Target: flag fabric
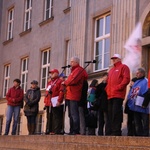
(133, 48)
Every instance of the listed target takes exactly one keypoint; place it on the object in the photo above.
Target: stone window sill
(46, 21)
(67, 10)
(8, 41)
(25, 32)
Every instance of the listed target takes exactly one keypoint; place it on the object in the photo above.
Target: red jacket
(74, 83)
(14, 96)
(149, 79)
(118, 79)
(57, 90)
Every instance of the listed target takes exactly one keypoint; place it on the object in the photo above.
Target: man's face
(139, 74)
(73, 63)
(115, 60)
(54, 74)
(16, 84)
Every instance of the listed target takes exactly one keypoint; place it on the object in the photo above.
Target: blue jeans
(12, 111)
(73, 109)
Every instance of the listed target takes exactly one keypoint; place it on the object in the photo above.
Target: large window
(45, 68)
(48, 9)
(10, 24)
(39, 124)
(28, 13)
(6, 79)
(102, 42)
(24, 73)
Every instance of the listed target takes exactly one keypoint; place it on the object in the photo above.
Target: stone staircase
(66, 142)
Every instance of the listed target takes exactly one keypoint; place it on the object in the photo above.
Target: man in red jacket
(54, 113)
(14, 98)
(74, 85)
(118, 79)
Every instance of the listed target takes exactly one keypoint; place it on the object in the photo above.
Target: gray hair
(142, 70)
(76, 59)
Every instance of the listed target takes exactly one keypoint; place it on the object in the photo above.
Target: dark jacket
(83, 100)
(32, 99)
(101, 96)
(14, 96)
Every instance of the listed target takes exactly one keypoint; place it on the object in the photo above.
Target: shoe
(5, 134)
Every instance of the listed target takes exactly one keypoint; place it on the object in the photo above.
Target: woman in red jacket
(14, 98)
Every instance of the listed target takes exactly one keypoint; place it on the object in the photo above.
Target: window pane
(100, 27)
(44, 73)
(98, 64)
(107, 28)
(107, 45)
(47, 14)
(43, 83)
(45, 58)
(106, 60)
(48, 4)
(11, 15)
(24, 65)
(99, 48)
(7, 71)
(49, 57)
(28, 4)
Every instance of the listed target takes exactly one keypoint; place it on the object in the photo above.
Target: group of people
(99, 105)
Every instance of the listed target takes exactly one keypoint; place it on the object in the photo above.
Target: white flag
(133, 48)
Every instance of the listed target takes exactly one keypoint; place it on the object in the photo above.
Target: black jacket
(32, 99)
(101, 96)
(83, 100)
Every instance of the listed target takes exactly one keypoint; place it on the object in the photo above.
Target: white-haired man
(74, 85)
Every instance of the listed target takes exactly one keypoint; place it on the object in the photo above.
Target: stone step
(56, 142)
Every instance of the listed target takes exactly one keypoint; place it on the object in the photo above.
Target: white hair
(76, 59)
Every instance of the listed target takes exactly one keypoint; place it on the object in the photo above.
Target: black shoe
(5, 134)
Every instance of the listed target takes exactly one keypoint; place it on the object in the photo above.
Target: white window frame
(45, 66)
(101, 38)
(24, 61)
(10, 23)
(6, 79)
(27, 23)
(50, 9)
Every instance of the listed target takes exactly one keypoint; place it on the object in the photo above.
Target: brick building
(38, 35)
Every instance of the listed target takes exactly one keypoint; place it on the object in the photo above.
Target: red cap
(54, 71)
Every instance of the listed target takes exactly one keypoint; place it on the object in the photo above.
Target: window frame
(10, 24)
(6, 78)
(101, 38)
(50, 9)
(24, 72)
(43, 66)
(27, 23)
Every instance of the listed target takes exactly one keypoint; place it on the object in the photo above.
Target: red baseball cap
(54, 71)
